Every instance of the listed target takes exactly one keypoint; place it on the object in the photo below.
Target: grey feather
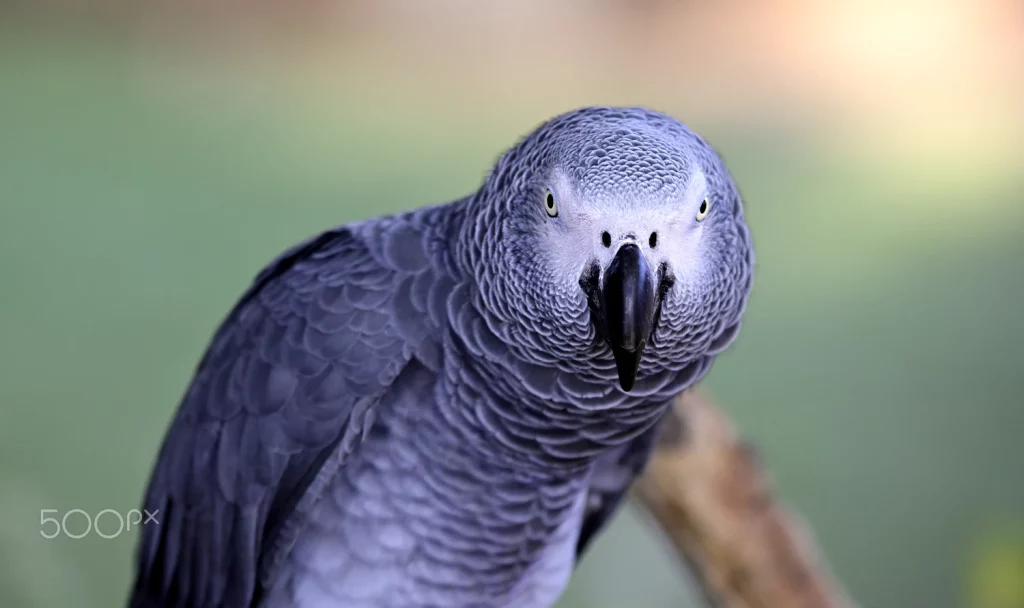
(424, 409)
(282, 396)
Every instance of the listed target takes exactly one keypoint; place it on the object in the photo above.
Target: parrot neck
(504, 412)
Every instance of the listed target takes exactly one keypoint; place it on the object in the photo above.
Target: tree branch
(706, 489)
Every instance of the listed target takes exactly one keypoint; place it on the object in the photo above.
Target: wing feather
(284, 392)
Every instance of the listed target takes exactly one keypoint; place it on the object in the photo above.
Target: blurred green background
(154, 156)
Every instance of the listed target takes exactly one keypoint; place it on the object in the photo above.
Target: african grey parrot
(441, 408)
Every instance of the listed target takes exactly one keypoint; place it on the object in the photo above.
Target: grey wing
(283, 393)
(613, 474)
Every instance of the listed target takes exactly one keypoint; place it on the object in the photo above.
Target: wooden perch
(706, 489)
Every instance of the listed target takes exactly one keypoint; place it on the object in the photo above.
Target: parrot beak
(629, 304)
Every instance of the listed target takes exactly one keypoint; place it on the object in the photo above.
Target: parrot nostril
(606, 239)
(653, 241)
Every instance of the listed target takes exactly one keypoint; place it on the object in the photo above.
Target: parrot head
(622, 237)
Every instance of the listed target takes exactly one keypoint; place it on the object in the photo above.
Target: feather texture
(420, 410)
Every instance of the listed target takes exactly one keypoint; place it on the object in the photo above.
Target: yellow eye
(549, 204)
(702, 211)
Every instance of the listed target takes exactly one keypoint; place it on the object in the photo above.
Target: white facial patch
(588, 230)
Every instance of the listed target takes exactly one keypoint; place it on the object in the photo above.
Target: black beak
(629, 304)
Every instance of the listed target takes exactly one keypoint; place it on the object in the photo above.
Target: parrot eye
(702, 211)
(549, 204)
